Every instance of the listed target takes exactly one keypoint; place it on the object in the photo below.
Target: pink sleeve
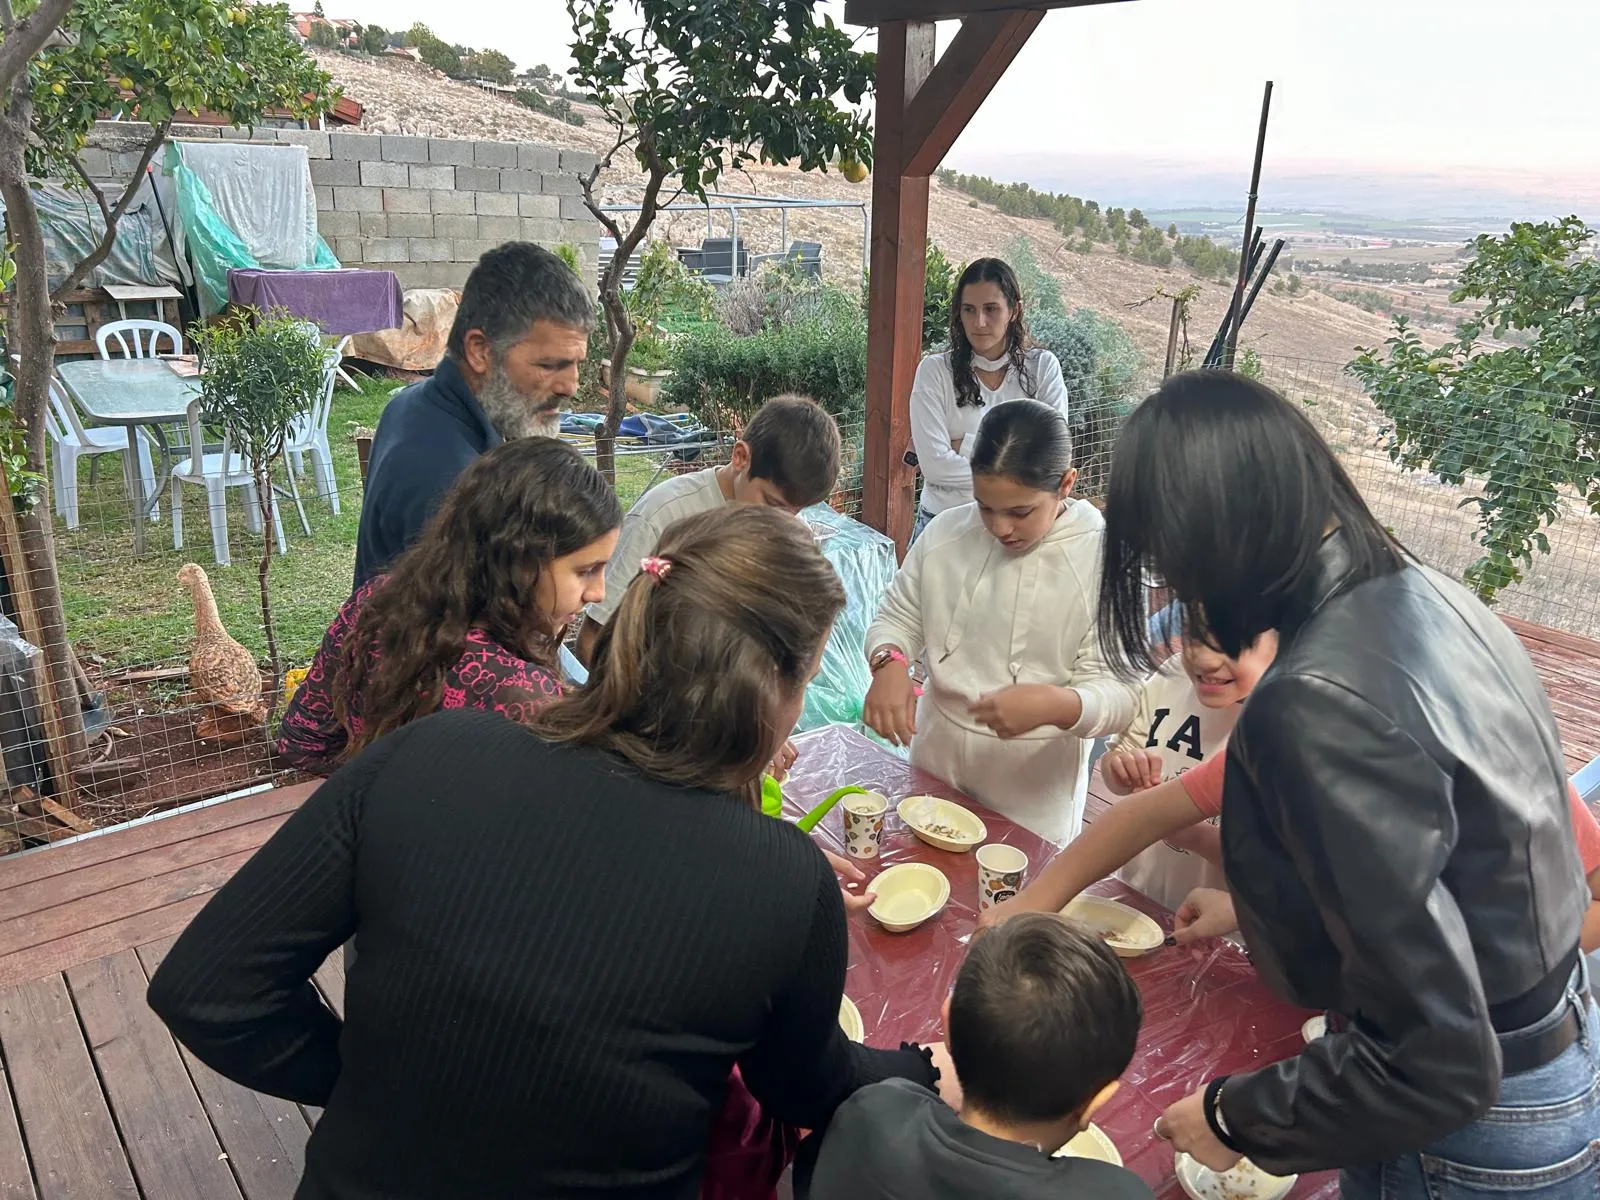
(1204, 784)
(1587, 830)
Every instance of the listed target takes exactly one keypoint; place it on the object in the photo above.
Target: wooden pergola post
(921, 108)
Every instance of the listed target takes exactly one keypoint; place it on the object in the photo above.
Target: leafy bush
(821, 352)
(1040, 291)
(939, 280)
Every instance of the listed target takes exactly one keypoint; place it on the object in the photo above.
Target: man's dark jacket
(428, 434)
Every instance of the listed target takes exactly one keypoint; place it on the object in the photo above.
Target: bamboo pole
(1235, 311)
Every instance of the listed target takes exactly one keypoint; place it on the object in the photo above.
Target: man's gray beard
(512, 413)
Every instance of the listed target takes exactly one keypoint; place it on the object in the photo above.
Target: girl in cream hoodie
(1000, 594)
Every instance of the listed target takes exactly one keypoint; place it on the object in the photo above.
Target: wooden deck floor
(98, 1100)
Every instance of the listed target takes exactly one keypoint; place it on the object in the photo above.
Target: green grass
(132, 611)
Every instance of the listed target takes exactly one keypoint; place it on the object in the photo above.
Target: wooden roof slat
(960, 82)
(878, 12)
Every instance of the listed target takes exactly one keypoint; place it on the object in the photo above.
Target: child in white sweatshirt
(999, 595)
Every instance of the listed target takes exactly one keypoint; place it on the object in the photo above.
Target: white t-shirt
(938, 422)
(1172, 721)
(669, 501)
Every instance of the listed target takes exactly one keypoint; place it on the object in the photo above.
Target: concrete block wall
(425, 208)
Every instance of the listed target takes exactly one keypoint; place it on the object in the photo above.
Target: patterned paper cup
(1000, 872)
(863, 823)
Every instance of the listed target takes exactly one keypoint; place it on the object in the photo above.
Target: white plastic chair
(70, 441)
(217, 473)
(309, 435)
(136, 339)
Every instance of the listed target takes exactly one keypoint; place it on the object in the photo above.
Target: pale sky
(1379, 82)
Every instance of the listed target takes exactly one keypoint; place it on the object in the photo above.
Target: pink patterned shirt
(486, 676)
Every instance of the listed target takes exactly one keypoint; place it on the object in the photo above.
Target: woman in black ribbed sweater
(566, 939)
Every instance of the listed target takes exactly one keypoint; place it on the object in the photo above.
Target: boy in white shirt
(788, 458)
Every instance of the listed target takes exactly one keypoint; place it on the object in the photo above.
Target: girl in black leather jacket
(1395, 827)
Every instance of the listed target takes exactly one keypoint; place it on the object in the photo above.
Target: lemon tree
(63, 65)
(694, 91)
(1519, 417)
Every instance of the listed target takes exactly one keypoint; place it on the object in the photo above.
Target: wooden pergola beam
(881, 12)
(961, 81)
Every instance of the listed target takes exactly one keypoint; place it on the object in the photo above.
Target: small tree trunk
(32, 338)
(264, 499)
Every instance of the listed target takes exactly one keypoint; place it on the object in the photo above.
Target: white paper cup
(1000, 872)
(863, 823)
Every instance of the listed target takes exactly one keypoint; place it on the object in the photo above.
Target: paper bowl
(1091, 1143)
(1314, 1028)
(1246, 1181)
(951, 827)
(1127, 931)
(850, 1019)
(906, 895)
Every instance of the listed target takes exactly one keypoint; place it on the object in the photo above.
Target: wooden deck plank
(142, 895)
(83, 945)
(168, 1138)
(136, 839)
(56, 890)
(265, 1137)
(16, 1179)
(65, 1119)
(330, 981)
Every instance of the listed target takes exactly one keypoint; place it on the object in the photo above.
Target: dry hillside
(404, 97)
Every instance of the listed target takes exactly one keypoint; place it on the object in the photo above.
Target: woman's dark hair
(999, 273)
(476, 565)
(1024, 440)
(687, 677)
(1042, 1017)
(1224, 491)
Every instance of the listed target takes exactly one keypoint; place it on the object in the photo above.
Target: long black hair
(999, 273)
(1224, 490)
(1024, 440)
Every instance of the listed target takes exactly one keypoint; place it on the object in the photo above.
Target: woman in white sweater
(1000, 595)
(987, 364)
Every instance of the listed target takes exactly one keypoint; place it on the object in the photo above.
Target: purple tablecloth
(348, 301)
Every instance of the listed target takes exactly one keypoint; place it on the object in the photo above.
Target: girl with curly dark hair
(989, 362)
(472, 615)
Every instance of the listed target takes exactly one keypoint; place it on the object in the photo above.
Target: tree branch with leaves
(1521, 420)
(692, 92)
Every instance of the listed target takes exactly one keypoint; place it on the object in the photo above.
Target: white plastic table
(132, 392)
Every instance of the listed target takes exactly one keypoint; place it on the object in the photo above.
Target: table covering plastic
(1205, 1012)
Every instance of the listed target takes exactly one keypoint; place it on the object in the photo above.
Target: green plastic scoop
(772, 803)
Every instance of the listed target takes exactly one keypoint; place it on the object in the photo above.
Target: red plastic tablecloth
(1205, 1012)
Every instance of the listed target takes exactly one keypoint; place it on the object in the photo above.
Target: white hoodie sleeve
(931, 392)
(1109, 703)
(899, 619)
(1049, 386)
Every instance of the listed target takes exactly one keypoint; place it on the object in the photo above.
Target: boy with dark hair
(788, 458)
(1042, 1021)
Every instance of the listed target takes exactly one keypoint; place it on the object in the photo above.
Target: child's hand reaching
(779, 767)
(846, 869)
(1207, 913)
(1129, 771)
(1023, 707)
(890, 710)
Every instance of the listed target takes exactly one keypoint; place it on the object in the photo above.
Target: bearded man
(510, 365)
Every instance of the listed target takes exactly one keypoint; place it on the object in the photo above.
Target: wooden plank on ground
(136, 839)
(87, 882)
(70, 1135)
(134, 930)
(142, 895)
(330, 981)
(173, 1149)
(265, 1137)
(16, 1180)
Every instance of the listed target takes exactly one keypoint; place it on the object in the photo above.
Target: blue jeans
(921, 523)
(1540, 1141)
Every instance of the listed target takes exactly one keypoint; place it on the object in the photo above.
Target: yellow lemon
(58, 89)
(852, 169)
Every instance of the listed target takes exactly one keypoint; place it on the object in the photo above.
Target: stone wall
(424, 208)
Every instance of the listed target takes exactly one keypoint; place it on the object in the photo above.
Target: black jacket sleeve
(804, 1066)
(236, 988)
(1368, 820)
